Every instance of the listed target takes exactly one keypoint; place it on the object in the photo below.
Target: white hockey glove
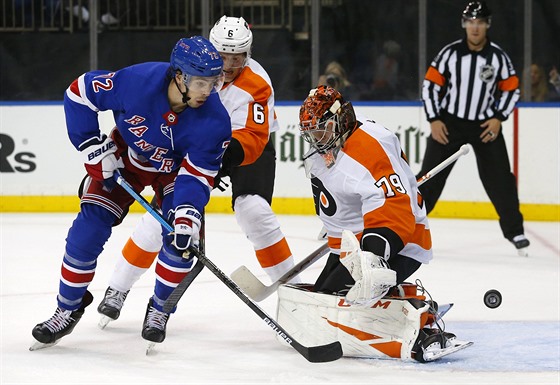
(371, 273)
(187, 227)
(101, 159)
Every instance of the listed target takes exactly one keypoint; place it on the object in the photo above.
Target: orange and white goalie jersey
(371, 186)
(249, 99)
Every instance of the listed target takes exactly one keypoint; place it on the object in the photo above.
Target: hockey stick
(259, 291)
(462, 151)
(322, 353)
(182, 287)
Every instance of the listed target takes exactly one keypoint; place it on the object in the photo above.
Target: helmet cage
(331, 130)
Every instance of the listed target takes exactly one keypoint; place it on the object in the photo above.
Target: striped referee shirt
(470, 85)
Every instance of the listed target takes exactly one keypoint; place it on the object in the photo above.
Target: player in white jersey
(249, 161)
(363, 189)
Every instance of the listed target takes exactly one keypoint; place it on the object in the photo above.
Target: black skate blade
(40, 345)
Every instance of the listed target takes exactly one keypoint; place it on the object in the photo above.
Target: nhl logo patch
(487, 73)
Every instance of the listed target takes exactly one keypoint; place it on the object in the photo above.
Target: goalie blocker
(401, 325)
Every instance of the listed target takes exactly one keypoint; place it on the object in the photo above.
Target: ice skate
(111, 305)
(155, 323)
(521, 243)
(370, 272)
(433, 344)
(62, 323)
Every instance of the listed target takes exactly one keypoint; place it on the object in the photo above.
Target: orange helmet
(325, 119)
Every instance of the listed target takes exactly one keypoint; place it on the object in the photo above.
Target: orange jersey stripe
(396, 213)
(434, 76)
(422, 237)
(137, 256)
(254, 136)
(509, 84)
(273, 255)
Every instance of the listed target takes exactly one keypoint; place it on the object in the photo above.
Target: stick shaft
(259, 291)
(323, 353)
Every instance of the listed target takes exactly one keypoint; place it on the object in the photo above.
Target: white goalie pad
(386, 329)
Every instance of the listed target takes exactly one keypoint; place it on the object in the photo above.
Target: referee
(469, 90)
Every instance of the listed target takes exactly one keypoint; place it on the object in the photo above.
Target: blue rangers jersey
(159, 140)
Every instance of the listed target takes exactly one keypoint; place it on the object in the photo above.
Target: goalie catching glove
(187, 227)
(101, 159)
(371, 272)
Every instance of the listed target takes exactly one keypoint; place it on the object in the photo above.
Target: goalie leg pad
(387, 329)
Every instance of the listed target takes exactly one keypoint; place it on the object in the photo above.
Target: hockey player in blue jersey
(171, 132)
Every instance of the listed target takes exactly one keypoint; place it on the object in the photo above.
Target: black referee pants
(493, 168)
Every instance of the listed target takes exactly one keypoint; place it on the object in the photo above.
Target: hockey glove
(187, 227)
(219, 182)
(101, 159)
(371, 273)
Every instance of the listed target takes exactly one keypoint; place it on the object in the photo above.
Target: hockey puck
(492, 299)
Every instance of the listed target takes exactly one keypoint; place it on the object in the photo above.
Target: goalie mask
(326, 121)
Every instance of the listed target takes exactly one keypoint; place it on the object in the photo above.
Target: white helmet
(232, 35)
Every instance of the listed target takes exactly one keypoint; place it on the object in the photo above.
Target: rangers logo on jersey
(487, 73)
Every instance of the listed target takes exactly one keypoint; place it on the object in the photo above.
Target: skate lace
(115, 298)
(156, 318)
(440, 323)
(60, 320)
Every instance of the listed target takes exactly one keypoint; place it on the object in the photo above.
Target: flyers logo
(324, 201)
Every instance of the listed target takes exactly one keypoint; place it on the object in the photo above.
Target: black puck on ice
(492, 299)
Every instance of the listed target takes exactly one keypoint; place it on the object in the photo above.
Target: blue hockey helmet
(197, 57)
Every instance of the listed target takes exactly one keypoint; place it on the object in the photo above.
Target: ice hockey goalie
(401, 325)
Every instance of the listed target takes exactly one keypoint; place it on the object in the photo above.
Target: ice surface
(214, 338)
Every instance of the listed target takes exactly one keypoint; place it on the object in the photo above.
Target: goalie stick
(258, 291)
(321, 353)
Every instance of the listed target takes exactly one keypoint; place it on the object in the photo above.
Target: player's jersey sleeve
(386, 205)
(203, 156)
(394, 220)
(508, 85)
(435, 81)
(87, 95)
(250, 103)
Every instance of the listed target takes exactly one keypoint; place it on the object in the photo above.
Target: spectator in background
(554, 79)
(385, 81)
(541, 89)
(335, 76)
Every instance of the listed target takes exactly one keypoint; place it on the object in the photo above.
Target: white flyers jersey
(371, 186)
(249, 100)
